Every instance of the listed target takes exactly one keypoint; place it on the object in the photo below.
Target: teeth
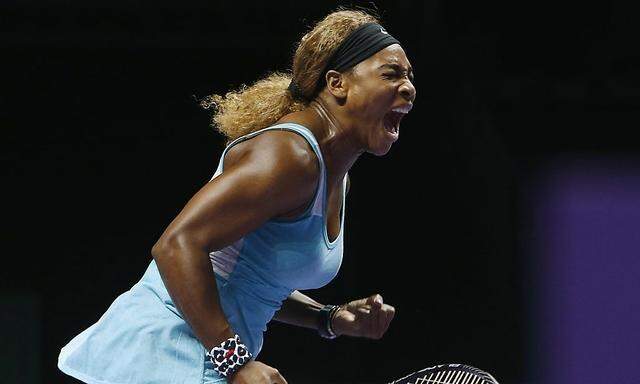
(403, 110)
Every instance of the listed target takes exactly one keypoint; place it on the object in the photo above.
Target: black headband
(362, 43)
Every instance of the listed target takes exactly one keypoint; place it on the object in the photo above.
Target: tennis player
(269, 223)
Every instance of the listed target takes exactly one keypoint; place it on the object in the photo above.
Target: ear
(336, 84)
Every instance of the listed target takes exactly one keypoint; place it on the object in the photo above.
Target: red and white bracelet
(229, 356)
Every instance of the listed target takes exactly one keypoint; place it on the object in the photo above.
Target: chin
(381, 151)
(381, 142)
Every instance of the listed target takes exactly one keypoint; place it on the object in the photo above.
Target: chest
(292, 254)
(334, 208)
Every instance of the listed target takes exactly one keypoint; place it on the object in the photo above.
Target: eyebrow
(397, 67)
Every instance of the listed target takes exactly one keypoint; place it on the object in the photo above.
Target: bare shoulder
(278, 165)
(277, 150)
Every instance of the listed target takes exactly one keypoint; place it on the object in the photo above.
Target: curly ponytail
(260, 105)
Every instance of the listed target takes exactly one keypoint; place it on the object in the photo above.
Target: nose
(408, 91)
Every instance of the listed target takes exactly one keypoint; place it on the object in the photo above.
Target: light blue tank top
(266, 265)
(143, 338)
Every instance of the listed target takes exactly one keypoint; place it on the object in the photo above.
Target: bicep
(240, 200)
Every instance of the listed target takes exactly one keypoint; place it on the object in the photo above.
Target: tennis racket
(448, 374)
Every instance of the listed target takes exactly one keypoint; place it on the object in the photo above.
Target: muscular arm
(276, 174)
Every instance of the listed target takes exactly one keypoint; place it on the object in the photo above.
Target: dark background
(103, 144)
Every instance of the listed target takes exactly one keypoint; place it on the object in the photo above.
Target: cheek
(372, 100)
(360, 104)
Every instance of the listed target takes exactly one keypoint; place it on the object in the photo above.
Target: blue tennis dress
(143, 338)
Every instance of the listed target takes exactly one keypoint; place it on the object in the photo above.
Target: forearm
(187, 274)
(300, 310)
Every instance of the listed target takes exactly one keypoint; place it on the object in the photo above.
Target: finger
(391, 313)
(375, 300)
(362, 305)
(359, 303)
(388, 314)
(382, 322)
(372, 326)
(364, 310)
(278, 378)
(346, 315)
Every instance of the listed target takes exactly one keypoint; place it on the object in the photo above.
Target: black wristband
(324, 321)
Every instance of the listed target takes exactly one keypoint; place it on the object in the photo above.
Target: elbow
(165, 245)
(157, 249)
(174, 243)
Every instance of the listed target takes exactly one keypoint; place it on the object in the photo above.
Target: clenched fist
(368, 317)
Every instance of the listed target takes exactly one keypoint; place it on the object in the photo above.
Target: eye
(389, 75)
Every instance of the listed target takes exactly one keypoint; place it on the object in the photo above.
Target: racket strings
(452, 374)
(451, 377)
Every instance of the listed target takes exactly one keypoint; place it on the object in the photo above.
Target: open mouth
(392, 122)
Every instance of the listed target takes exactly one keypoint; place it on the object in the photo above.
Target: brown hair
(260, 105)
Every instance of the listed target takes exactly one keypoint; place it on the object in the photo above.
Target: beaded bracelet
(229, 356)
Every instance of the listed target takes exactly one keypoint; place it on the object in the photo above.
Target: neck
(339, 149)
